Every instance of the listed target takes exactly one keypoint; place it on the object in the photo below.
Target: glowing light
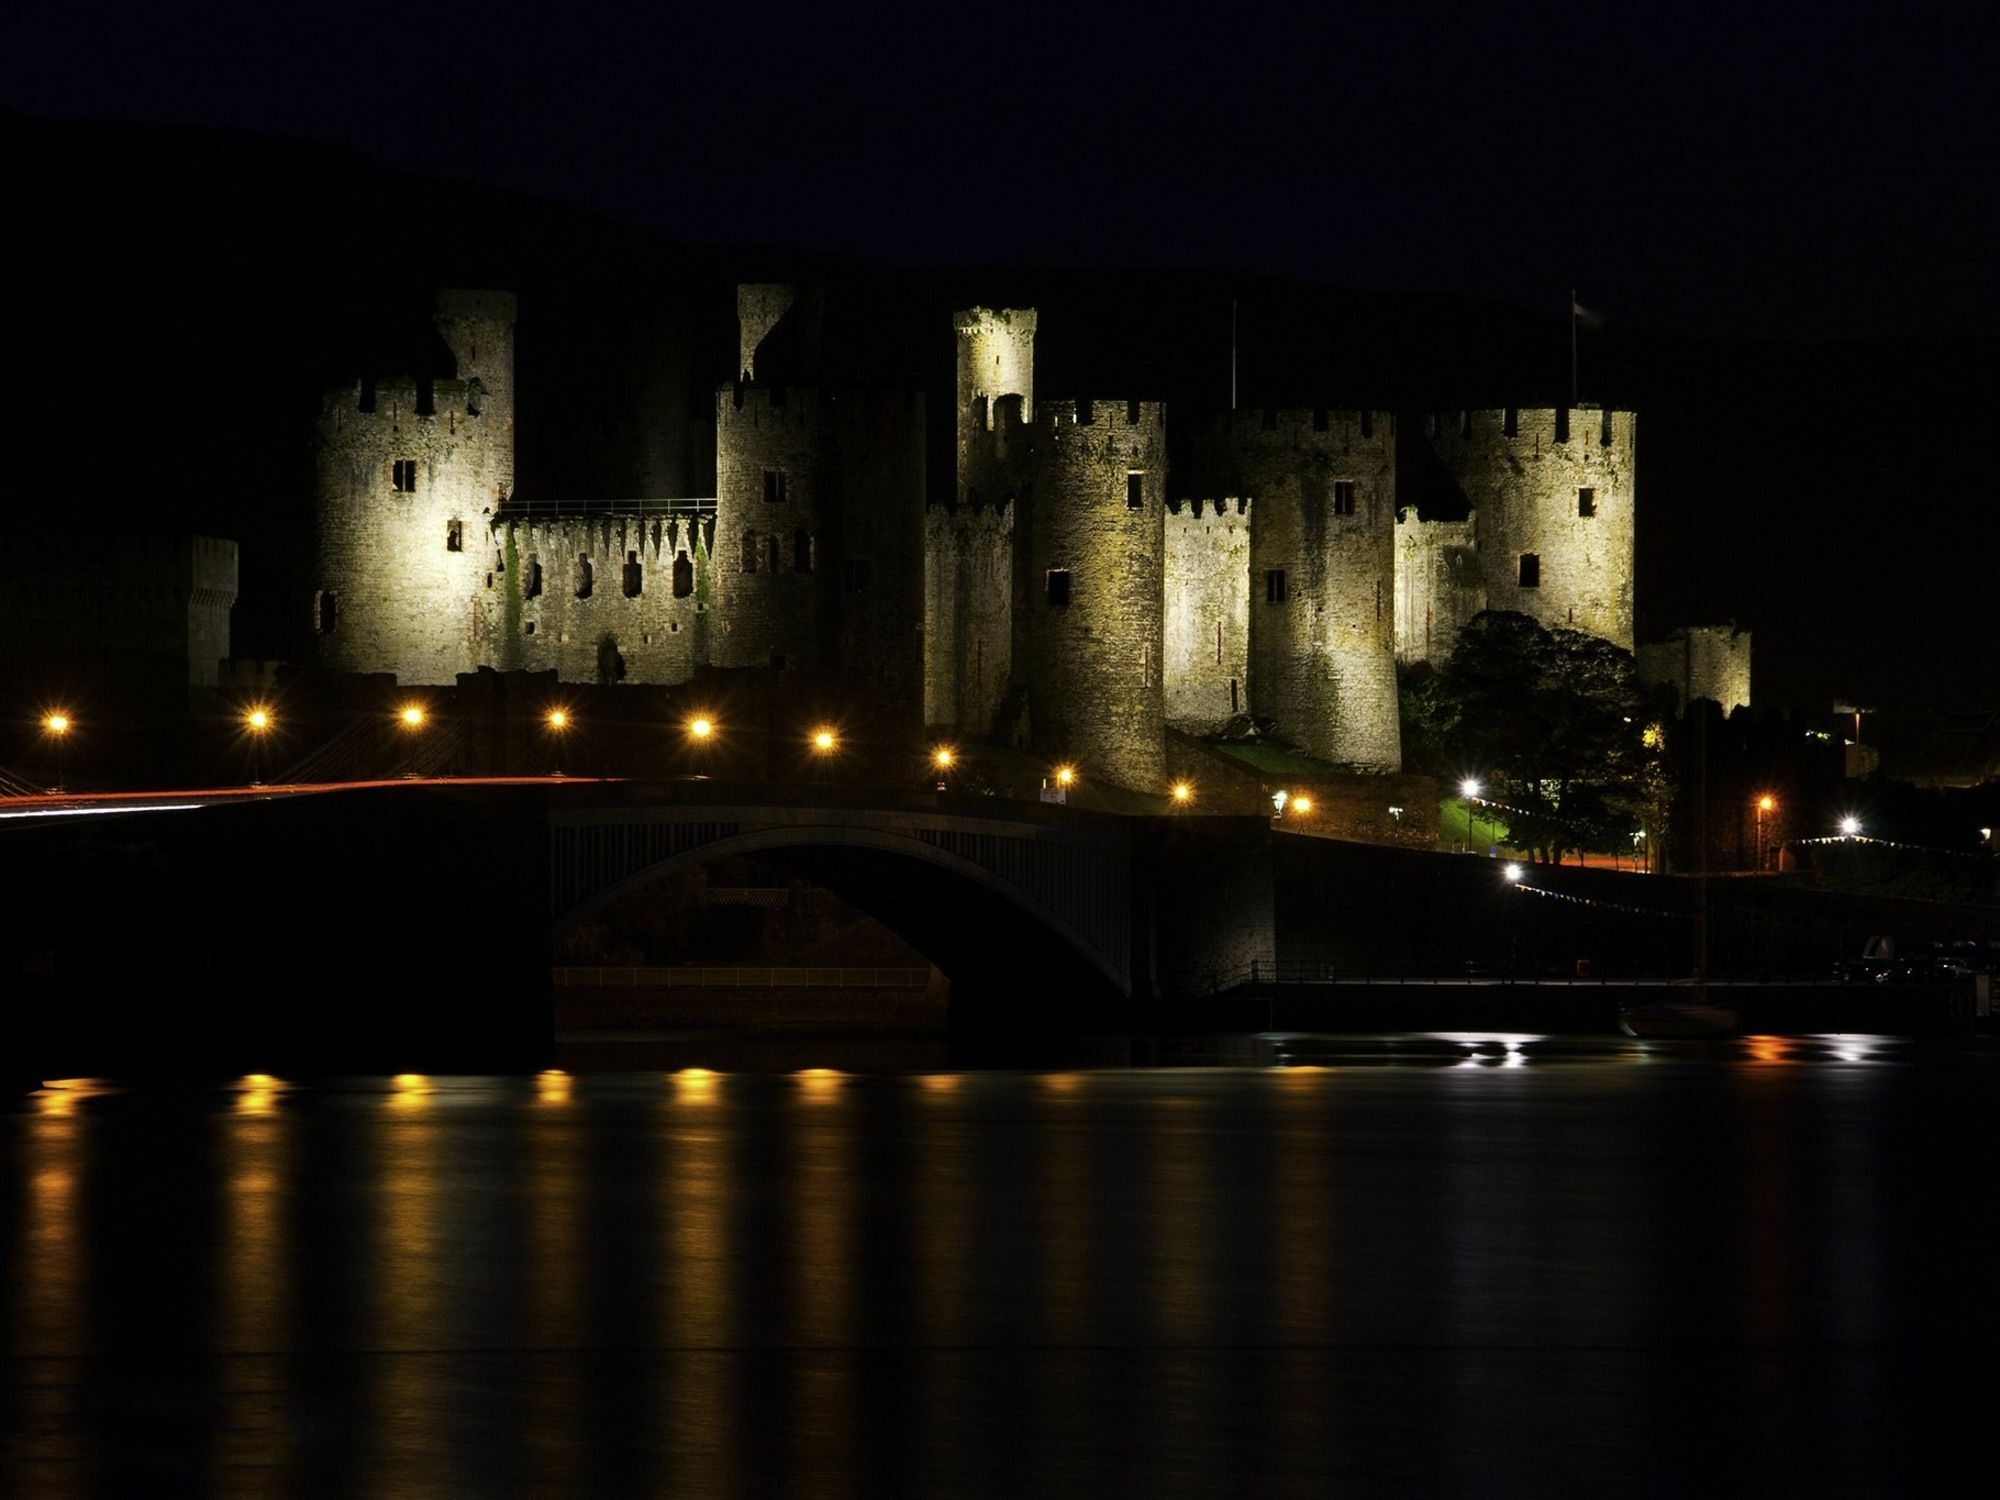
(700, 727)
(558, 719)
(412, 716)
(552, 1086)
(1513, 874)
(1468, 788)
(1766, 802)
(825, 741)
(695, 1086)
(820, 1084)
(1183, 792)
(1850, 826)
(1278, 800)
(943, 757)
(1653, 737)
(410, 1090)
(1302, 803)
(56, 723)
(257, 720)
(260, 1091)
(1065, 776)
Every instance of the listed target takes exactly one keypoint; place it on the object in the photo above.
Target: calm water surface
(1445, 1265)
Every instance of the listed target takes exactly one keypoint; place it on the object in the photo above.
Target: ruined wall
(968, 614)
(1439, 586)
(1207, 613)
(783, 325)
(408, 477)
(1092, 665)
(1525, 473)
(1322, 637)
(1701, 661)
(819, 535)
(608, 597)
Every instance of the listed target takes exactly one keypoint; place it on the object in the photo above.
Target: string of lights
(1857, 838)
(1636, 911)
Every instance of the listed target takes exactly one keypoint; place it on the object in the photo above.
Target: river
(1470, 1265)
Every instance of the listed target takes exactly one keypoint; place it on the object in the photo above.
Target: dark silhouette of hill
(184, 296)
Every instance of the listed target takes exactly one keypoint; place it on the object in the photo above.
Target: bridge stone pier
(412, 927)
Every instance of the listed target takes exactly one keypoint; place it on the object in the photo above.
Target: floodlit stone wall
(1701, 661)
(1092, 665)
(600, 598)
(968, 614)
(1439, 586)
(409, 475)
(1552, 496)
(1207, 613)
(1322, 579)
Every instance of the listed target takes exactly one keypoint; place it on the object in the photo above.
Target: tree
(1554, 721)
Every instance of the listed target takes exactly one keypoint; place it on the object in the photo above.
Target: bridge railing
(732, 976)
(1265, 973)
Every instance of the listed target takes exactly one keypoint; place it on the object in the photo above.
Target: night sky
(1820, 171)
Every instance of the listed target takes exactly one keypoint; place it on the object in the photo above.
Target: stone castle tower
(1065, 592)
(1550, 529)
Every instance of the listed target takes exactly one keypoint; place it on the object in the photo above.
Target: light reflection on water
(1423, 1263)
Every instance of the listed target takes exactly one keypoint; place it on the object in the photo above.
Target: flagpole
(1572, 347)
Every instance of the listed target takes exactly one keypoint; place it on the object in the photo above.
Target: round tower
(1552, 497)
(996, 359)
(1091, 538)
(1322, 566)
(409, 472)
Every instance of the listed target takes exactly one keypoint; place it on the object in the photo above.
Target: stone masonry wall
(1701, 661)
(1525, 487)
(1439, 586)
(1322, 645)
(603, 598)
(968, 614)
(409, 476)
(1207, 614)
(1093, 667)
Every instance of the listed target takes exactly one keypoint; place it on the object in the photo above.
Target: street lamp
(1065, 777)
(825, 741)
(1765, 804)
(1513, 874)
(1850, 826)
(558, 721)
(1470, 789)
(1302, 803)
(56, 725)
(943, 758)
(1182, 792)
(701, 727)
(412, 716)
(257, 721)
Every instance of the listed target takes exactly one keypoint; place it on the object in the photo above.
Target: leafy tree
(1553, 721)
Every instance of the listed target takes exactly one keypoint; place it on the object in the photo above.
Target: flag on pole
(1585, 318)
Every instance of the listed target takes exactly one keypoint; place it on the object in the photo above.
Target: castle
(1073, 590)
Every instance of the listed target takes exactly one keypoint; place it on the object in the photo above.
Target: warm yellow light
(552, 1086)
(412, 716)
(1183, 792)
(56, 723)
(825, 741)
(257, 720)
(558, 719)
(1302, 803)
(700, 727)
(942, 757)
(1766, 803)
(1065, 775)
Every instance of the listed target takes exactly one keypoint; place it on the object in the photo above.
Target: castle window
(802, 551)
(1232, 696)
(1343, 497)
(454, 537)
(403, 475)
(586, 578)
(529, 628)
(1274, 585)
(855, 575)
(775, 553)
(749, 551)
(1604, 430)
(1510, 424)
(1562, 424)
(774, 486)
(683, 575)
(1531, 570)
(1058, 588)
(1135, 489)
(531, 578)
(326, 611)
(1586, 502)
(635, 576)
(1378, 598)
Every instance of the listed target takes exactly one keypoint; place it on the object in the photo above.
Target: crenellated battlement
(1535, 429)
(1300, 427)
(1198, 510)
(398, 398)
(743, 404)
(1055, 417)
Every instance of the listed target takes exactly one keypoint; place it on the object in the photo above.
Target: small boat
(1680, 1019)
